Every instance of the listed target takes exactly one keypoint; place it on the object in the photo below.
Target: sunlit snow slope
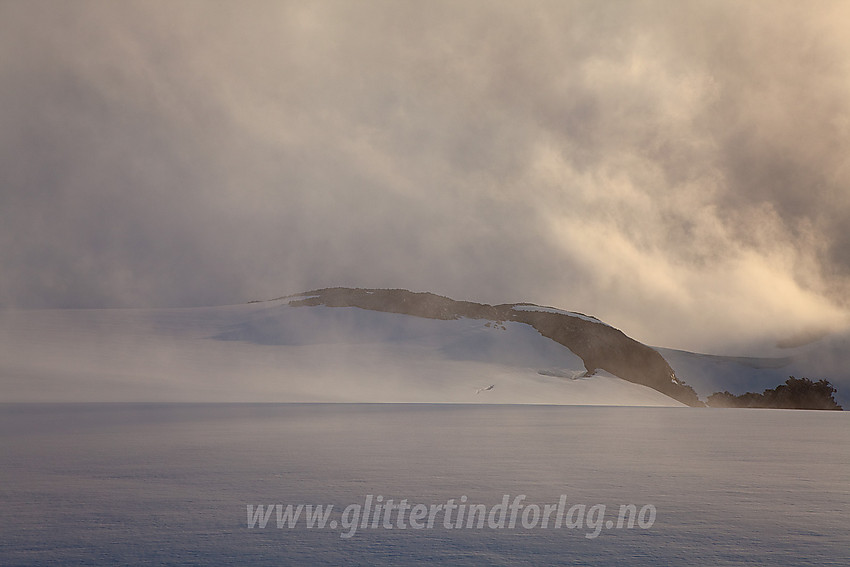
(273, 352)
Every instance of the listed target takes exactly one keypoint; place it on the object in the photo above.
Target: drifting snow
(273, 352)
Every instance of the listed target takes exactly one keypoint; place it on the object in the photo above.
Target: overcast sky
(678, 169)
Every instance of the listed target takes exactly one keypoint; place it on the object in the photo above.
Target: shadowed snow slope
(827, 358)
(274, 352)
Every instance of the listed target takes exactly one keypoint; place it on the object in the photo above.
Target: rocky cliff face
(599, 345)
(602, 346)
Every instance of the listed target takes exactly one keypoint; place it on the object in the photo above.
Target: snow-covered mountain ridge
(600, 346)
(372, 345)
(275, 352)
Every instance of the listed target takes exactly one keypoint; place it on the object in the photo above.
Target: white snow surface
(273, 352)
(559, 312)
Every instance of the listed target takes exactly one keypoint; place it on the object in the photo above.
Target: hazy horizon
(678, 170)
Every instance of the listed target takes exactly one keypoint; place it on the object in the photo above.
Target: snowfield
(273, 352)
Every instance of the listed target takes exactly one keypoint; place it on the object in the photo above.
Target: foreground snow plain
(168, 484)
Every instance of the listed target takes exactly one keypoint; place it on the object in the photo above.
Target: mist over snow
(677, 169)
(271, 352)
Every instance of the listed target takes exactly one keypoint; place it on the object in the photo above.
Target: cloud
(677, 169)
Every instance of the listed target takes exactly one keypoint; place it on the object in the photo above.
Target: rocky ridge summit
(599, 345)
